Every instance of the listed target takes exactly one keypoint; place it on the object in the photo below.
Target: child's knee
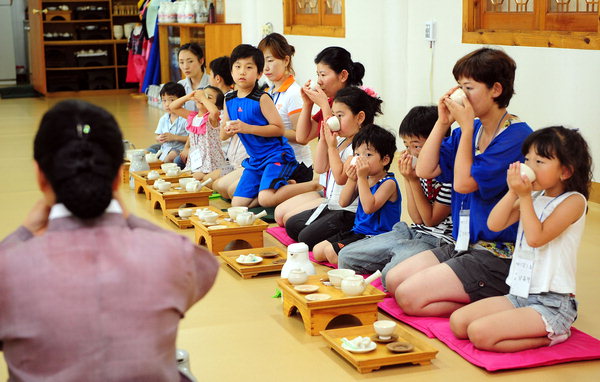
(331, 255)
(266, 198)
(459, 324)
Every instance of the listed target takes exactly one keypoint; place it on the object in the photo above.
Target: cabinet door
(37, 57)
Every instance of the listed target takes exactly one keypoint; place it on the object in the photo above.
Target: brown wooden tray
(217, 239)
(422, 353)
(174, 197)
(143, 184)
(248, 271)
(173, 216)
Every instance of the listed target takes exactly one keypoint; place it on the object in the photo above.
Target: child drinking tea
(203, 148)
(377, 190)
(541, 305)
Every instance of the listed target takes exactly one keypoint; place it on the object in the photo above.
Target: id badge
(195, 160)
(462, 242)
(521, 269)
(316, 213)
(226, 169)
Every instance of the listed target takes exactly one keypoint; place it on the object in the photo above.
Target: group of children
(506, 286)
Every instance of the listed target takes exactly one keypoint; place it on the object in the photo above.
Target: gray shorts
(481, 273)
(558, 312)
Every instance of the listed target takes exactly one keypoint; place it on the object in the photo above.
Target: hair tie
(369, 91)
(83, 130)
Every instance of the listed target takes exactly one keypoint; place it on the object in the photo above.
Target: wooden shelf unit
(216, 39)
(52, 60)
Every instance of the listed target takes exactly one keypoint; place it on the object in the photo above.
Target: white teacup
(185, 212)
(527, 171)
(235, 211)
(458, 96)
(193, 186)
(336, 276)
(163, 186)
(384, 329)
(153, 175)
(184, 181)
(334, 123)
(158, 181)
(166, 166)
(151, 158)
(209, 216)
(173, 171)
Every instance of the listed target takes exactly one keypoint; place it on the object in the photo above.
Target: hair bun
(81, 156)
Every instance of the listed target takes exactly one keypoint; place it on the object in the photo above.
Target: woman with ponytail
(89, 291)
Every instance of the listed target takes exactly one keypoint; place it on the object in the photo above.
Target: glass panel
(174, 44)
(510, 6)
(307, 7)
(334, 7)
(573, 6)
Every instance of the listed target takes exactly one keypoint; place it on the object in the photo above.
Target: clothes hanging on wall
(137, 59)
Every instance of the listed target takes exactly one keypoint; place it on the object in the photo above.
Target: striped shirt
(441, 193)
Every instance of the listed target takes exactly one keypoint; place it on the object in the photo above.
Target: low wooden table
(185, 223)
(143, 184)
(217, 238)
(421, 354)
(126, 164)
(316, 315)
(175, 197)
(269, 264)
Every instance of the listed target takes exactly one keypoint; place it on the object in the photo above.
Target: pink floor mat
(578, 347)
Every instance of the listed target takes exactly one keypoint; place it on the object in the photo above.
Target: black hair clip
(83, 129)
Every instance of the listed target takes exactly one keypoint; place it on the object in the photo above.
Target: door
(37, 59)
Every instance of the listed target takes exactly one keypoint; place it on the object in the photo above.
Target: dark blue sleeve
(489, 168)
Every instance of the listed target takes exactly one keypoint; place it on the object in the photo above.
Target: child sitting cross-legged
(377, 189)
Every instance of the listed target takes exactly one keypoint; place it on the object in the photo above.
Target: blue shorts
(558, 312)
(272, 176)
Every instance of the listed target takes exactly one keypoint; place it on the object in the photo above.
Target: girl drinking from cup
(321, 218)
(550, 209)
(202, 150)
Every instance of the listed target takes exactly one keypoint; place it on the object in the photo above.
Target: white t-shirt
(555, 263)
(187, 84)
(332, 188)
(288, 102)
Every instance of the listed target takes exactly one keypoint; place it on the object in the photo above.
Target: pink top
(97, 300)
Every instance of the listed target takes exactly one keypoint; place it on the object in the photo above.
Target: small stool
(185, 223)
(175, 198)
(224, 232)
(141, 183)
(316, 315)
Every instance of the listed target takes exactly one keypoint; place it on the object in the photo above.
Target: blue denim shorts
(558, 312)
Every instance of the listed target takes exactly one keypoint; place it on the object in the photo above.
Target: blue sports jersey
(382, 220)
(489, 171)
(262, 150)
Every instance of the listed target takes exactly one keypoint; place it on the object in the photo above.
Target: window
(314, 17)
(547, 23)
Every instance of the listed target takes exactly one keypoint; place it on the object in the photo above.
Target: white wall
(553, 86)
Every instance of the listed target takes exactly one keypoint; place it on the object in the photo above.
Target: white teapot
(173, 171)
(356, 285)
(153, 175)
(193, 186)
(297, 258)
(248, 218)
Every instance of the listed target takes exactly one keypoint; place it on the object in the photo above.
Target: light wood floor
(238, 332)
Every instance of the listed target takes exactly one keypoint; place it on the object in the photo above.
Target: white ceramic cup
(118, 32)
(185, 212)
(297, 276)
(153, 175)
(235, 211)
(163, 186)
(166, 166)
(458, 96)
(336, 276)
(209, 217)
(151, 158)
(527, 171)
(157, 182)
(334, 123)
(173, 171)
(384, 329)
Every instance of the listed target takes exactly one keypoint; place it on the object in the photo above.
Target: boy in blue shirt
(379, 199)
(251, 113)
